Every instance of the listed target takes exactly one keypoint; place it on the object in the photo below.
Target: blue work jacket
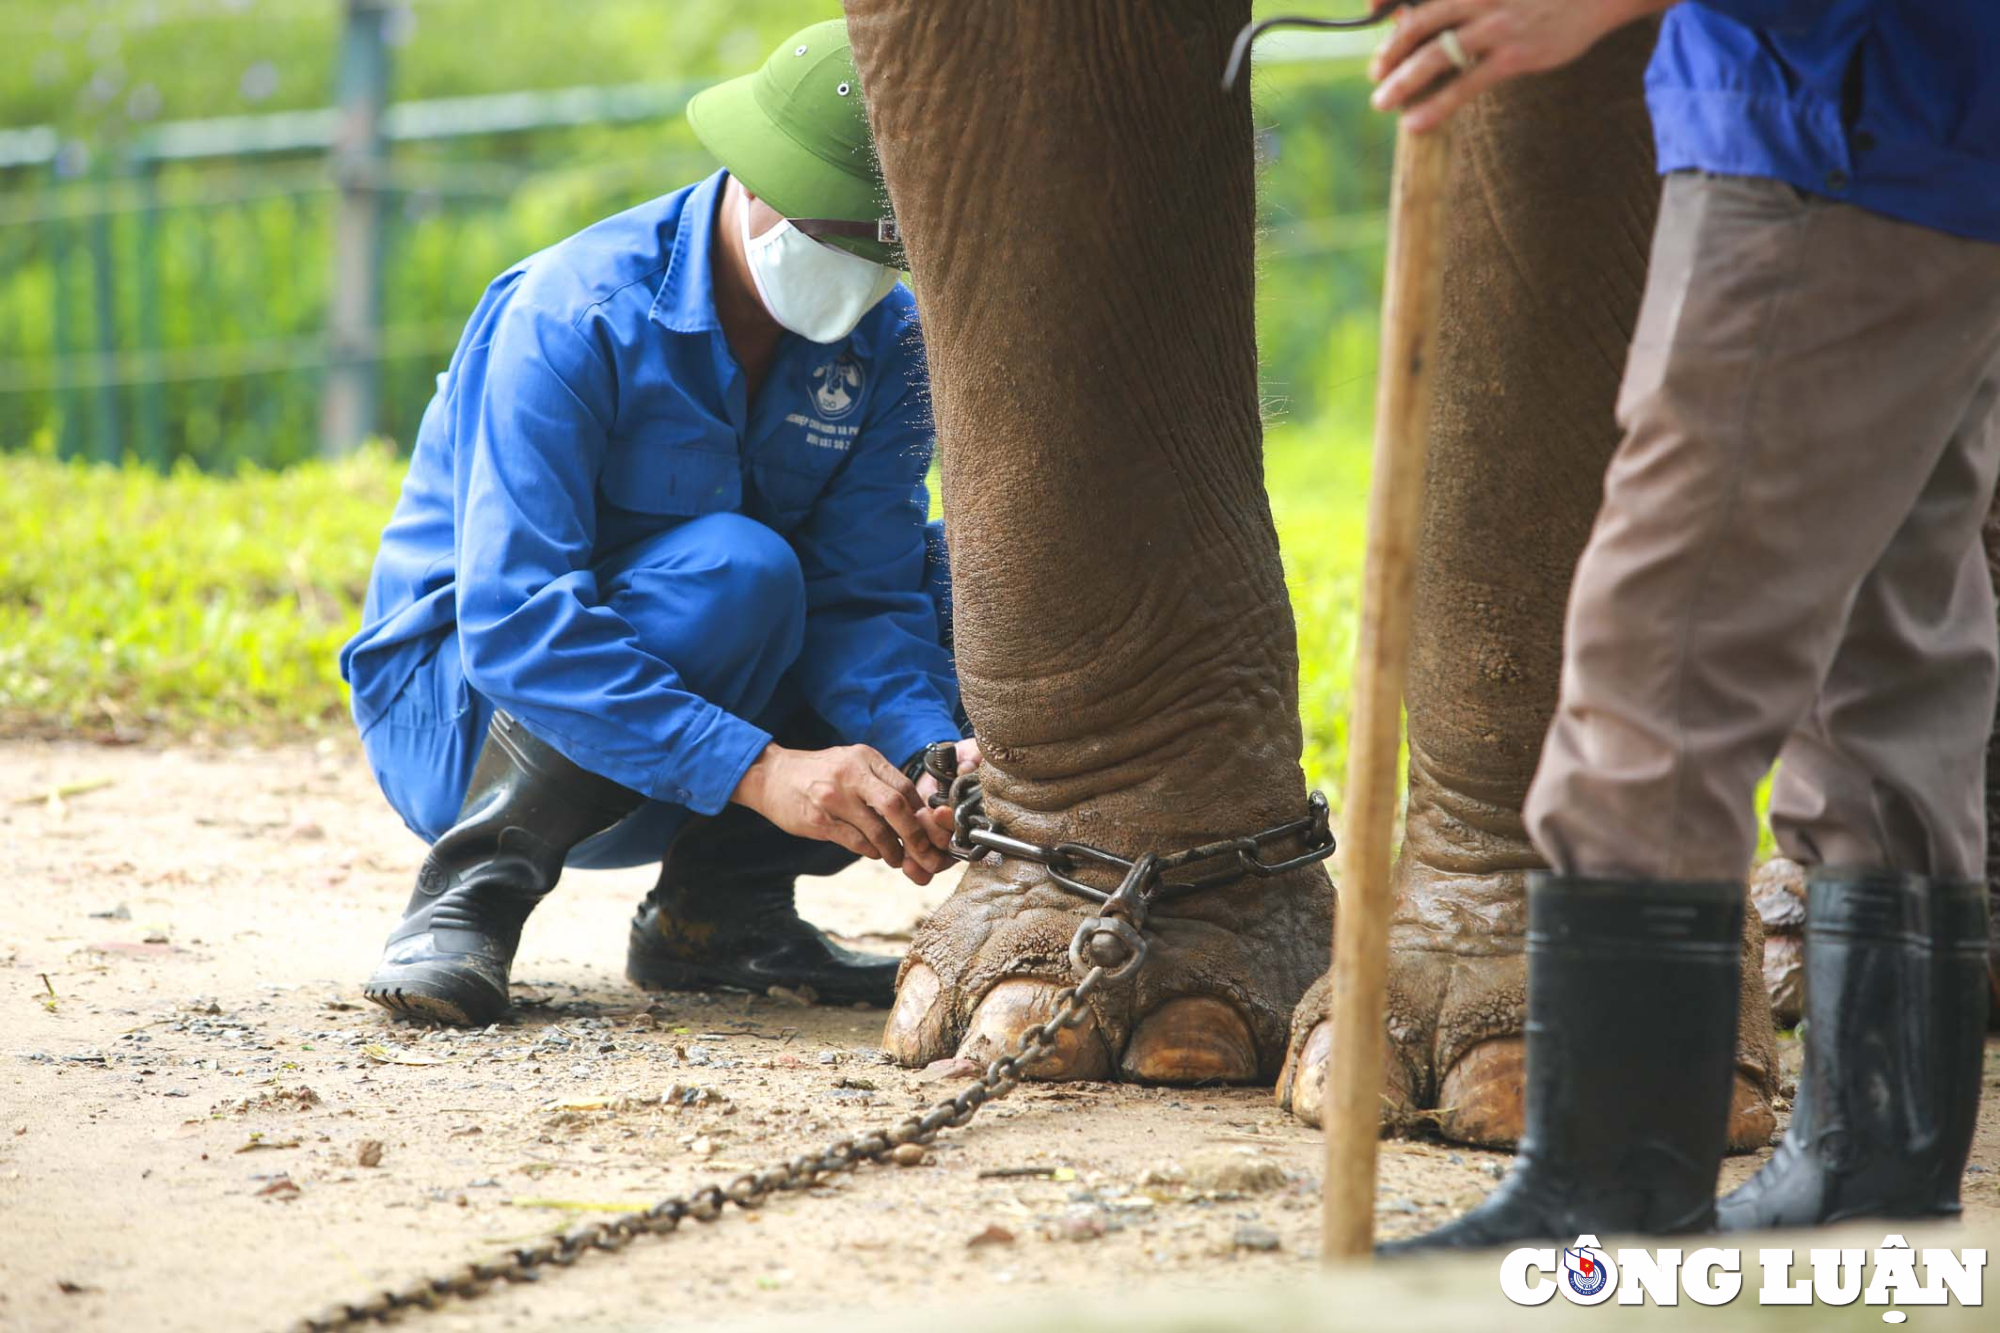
(1891, 105)
(593, 401)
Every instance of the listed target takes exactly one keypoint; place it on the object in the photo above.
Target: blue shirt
(593, 401)
(1891, 105)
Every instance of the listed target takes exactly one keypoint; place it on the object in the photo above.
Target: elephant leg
(1077, 199)
(1551, 212)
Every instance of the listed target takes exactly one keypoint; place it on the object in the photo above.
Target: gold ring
(1454, 50)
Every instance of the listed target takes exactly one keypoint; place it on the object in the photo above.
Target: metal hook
(1240, 52)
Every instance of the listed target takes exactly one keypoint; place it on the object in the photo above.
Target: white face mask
(817, 291)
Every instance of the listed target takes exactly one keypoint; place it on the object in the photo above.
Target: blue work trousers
(721, 597)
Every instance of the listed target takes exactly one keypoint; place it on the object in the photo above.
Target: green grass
(1318, 480)
(133, 603)
(139, 604)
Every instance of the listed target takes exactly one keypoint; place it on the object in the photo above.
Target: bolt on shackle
(1112, 939)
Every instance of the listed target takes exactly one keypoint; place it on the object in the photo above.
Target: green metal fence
(177, 301)
(260, 288)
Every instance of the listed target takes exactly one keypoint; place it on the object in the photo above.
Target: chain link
(1107, 948)
(1114, 936)
(749, 1190)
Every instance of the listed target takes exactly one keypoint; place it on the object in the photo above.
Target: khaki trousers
(1787, 563)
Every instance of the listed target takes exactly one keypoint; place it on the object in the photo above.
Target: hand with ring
(1474, 44)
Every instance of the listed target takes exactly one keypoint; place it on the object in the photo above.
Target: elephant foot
(1011, 1007)
(1452, 1040)
(1475, 1091)
(1778, 896)
(1210, 1005)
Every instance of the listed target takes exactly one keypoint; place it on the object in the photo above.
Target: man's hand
(1503, 38)
(850, 795)
(940, 820)
(968, 759)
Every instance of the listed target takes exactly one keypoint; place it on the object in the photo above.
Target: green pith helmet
(796, 134)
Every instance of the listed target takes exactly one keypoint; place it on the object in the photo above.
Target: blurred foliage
(131, 600)
(101, 68)
(224, 267)
(1318, 480)
(135, 603)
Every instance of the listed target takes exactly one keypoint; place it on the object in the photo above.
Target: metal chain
(1107, 947)
(975, 833)
(1114, 937)
(749, 1190)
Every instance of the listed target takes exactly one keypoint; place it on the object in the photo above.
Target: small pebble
(954, 1067)
(1082, 1226)
(907, 1154)
(1234, 1173)
(1256, 1238)
(368, 1152)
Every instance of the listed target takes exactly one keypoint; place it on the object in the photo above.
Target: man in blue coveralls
(659, 586)
(1787, 563)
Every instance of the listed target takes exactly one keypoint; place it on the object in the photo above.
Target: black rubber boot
(1631, 1036)
(722, 917)
(1992, 955)
(527, 807)
(1895, 1036)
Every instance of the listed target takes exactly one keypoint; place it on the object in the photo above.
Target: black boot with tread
(722, 917)
(526, 808)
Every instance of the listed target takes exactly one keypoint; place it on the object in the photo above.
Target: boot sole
(437, 992)
(416, 1004)
(657, 977)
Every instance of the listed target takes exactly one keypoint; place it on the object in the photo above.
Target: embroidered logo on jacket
(836, 386)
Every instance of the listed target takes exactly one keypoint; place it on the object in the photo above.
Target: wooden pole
(1411, 289)
(354, 334)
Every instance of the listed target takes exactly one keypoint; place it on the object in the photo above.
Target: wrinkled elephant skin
(1081, 235)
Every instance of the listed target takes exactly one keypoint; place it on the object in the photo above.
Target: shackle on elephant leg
(1107, 942)
(1113, 940)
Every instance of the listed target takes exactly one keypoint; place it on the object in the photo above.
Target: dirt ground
(190, 1088)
